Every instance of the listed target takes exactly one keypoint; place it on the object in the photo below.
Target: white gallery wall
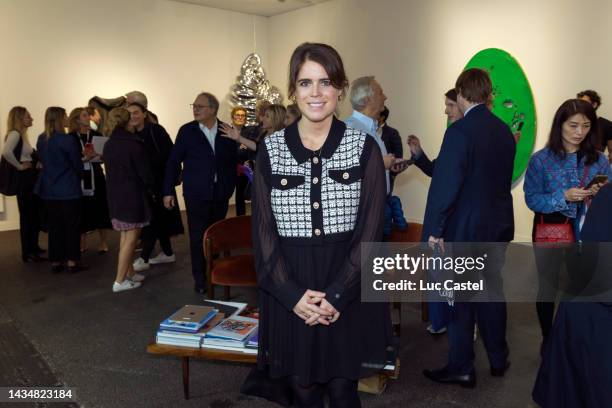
(63, 52)
(416, 49)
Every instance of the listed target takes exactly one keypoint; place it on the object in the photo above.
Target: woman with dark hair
(129, 181)
(165, 223)
(576, 368)
(95, 208)
(319, 191)
(59, 185)
(558, 190)
(18, 153)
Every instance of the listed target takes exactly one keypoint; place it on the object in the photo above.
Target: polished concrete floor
(72, 330)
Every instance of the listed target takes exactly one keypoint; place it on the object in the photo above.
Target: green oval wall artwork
(512, 102)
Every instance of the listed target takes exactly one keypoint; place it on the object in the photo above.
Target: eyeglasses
(198, 107)
(239, 115)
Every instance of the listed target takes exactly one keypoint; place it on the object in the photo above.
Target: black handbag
(9, 175)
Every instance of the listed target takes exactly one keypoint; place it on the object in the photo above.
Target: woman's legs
(57, 233)
(343, 393)
(307, 396)
(72, 218)
(126, 252)
(103, 245)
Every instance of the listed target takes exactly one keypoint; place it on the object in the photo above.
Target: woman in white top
(18, 152)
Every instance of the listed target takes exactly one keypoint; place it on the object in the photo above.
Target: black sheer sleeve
(368, 228)
(272, 270)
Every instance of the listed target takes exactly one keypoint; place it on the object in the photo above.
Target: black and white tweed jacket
(316, 194)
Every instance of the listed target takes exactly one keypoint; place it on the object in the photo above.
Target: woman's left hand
(595, 188)
(334, 314)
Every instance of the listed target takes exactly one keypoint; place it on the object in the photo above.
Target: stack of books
(215, 325)
(187, 326)
(233, 333)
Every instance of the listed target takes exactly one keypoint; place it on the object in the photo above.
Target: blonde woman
(95, 208)
(59, 185)
(129, 180)
(273, 119)
(18, 153)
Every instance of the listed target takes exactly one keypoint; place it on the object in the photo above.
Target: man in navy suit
(470, 200)
(209, 158)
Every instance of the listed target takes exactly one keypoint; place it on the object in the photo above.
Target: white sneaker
(137, 278)
(125, 285)
(162, 258)
(140, 265)
(431, 330)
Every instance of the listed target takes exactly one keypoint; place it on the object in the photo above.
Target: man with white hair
(368, 100)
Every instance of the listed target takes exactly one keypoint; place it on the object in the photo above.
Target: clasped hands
(314, 309)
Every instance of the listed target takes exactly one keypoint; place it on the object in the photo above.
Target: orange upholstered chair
(223, 267)
(411, 234)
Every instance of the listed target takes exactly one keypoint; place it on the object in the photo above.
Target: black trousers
(201, 214)
(149, 236)
(491, 317)
(29, 205)
(64, 230)
(241, 184)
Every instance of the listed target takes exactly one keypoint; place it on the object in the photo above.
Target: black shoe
(77, 268)
(499, 372)
(39, 250)
(444, 377)
(33, 258)
(57, 268)
(199, 289)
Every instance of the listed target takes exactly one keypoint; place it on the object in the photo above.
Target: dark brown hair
(474, 85)
(322, 54)
(568, 109)
(592, 95)
(451, 94)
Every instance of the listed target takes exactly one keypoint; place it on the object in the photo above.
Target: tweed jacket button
(283, 182)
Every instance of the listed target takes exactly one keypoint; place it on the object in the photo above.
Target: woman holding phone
(558, 188)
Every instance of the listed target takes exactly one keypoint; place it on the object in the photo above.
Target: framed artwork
(512, 100)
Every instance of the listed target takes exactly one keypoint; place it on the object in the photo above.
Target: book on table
(236, 328)
(186, 339)
(189, 318)
(225, 307)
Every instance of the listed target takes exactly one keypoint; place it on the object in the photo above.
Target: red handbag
(554, 233)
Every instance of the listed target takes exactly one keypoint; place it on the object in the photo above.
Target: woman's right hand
(308, 308)
(576, 194)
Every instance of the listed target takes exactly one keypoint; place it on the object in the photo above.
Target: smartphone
(598, 179)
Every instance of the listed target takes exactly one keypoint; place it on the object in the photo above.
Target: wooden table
(209, 354)
(373, 385)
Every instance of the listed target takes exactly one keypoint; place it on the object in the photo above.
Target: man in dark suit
(470, 200)
(209, 158)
